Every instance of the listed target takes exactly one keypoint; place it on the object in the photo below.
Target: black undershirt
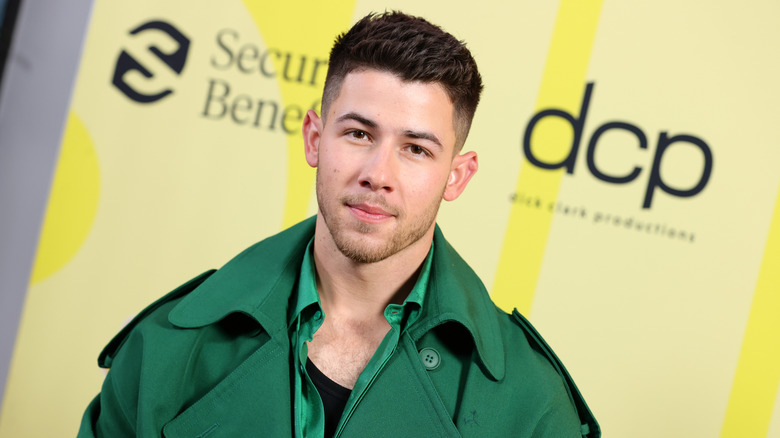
(334, 397)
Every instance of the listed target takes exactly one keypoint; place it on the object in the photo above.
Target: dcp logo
(663, 145)
(174, 59)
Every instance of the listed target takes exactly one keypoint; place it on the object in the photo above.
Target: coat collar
(258, 283)
(455, 293)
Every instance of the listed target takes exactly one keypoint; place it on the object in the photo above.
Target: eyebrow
(424, 136)
(407, 133)
(357, 117)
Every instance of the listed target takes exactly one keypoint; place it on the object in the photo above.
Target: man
(363, 321)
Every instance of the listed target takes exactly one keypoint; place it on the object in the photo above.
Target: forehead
(394, 104)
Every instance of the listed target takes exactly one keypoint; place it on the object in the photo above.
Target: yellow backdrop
(627, 199)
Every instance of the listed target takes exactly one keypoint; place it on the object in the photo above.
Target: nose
(379, 169)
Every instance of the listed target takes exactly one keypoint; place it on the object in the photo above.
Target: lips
(372, 212)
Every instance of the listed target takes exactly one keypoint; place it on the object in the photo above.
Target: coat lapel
(403, 388)
(254, 400)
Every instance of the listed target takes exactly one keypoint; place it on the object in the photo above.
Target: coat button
(430, 358)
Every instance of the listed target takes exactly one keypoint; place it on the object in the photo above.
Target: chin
(362, 247)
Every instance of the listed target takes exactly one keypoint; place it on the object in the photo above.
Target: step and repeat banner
(627, 198)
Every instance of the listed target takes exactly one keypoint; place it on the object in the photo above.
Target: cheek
(427, 189)
(339, 165)
(330, 167)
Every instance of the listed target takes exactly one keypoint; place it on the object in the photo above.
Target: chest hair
(341, 349)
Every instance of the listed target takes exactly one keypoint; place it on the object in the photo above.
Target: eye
(417, 150)
(358, 134)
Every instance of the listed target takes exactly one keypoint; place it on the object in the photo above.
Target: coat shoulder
(157, 311)
(158, 369)
(548, 369)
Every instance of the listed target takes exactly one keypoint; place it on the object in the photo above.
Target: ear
(312, 133)
(463, 168)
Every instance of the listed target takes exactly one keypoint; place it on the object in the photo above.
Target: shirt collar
(259, 283)
(306, 293)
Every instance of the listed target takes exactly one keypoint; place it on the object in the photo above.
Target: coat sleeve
(589, 427)
(113, 413)
(559, 420)
(105, 415)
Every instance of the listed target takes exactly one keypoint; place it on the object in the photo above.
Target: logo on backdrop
(174, 60)
(241, 57)
(654, 181)
(145, 74)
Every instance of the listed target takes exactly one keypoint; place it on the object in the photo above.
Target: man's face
(385, 159)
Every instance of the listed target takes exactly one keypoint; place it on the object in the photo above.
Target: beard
(348, 232)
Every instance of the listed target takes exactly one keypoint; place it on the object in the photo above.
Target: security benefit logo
(136, 79)
(298, 73)
(654, 151)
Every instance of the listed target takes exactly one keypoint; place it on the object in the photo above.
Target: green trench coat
(212, 358)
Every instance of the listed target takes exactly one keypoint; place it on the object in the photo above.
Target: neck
(361, 291)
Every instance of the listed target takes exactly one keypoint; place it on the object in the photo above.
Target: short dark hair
(414, 50)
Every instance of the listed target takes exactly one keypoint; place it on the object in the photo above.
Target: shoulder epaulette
(107, 355)
(589, 428)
